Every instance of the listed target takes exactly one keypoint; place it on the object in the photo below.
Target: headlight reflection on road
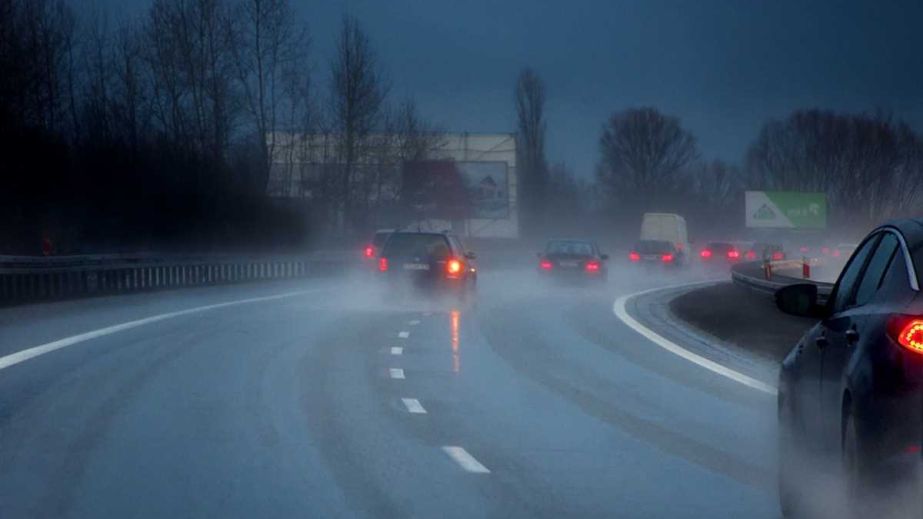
(454, 317)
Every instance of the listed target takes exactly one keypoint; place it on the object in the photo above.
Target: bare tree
(359, 89)
(643, 152)
(271, 48)
(531, 165)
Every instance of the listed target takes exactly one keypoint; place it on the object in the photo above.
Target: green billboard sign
(785, 210)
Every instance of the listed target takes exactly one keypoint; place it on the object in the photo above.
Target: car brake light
(907, 331)
(733, 254)
(667, 258)
(804, 249)
(592, 266)
(453, 267)
(545, 264)
(751, 255)
(836, 253)
(706, 253)
(369, 251)
(634, 256)
(778, 256)
(382, 264)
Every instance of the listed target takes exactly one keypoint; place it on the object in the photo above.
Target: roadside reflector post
(805, 268)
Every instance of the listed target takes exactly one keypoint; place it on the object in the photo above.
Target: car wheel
(854, 466)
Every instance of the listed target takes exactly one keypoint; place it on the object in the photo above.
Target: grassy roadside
(739, 316)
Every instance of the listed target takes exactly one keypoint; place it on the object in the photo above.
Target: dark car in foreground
(656, 252)
(427, 262)
(850, 391)
(573, 259)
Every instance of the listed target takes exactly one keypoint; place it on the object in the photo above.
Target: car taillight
(778, 256)
(836, 253)
(546, 264)
(382, 264)
(634, 256)
(751, 255)
(369, 251)
(667, 258)
(804, 249)
(705, 254)
(453, 267)
(907, 331)
(733, 254)
(592, 266)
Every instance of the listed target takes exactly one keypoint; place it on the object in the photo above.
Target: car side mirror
(799, 299)
(604, 257)
(470, 255)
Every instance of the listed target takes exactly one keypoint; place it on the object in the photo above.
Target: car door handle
(852, 336)
(821, 342)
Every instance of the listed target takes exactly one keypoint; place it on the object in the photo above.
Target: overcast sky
(722, 67)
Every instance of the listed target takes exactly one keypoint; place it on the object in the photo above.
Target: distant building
(305, 166)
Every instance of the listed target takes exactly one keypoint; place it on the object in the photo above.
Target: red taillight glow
(751, 255)
(453, 267)
(778, 256)
(592, 266)
(836, 253)
(705, 254)
(667, 258)
(369, 251)
(382, 264)
(545, 264)
(908, 332)
(733, 254)
(634, 256)
(804, 249)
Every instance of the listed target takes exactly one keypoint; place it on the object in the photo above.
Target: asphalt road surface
(325, 398)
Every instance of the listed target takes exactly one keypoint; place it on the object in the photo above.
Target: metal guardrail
(27, 279)
(752, 275)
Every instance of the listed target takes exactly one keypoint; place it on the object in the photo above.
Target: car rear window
(719, 246)
(417, 244)
(654, 247)
(569, 247)
(380, 238)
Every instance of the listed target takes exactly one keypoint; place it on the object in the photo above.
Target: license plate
(416, 266)
(569, 264)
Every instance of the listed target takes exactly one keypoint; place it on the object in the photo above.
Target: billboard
(458, 189)
(785, 210)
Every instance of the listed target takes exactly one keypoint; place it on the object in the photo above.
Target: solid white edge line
(37, 351)
(397, 350)
(413, 406)
(618, 308)
(403, 335)
(396, 373)
(465, 460)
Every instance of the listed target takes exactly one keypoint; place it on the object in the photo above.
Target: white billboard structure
(486, 165)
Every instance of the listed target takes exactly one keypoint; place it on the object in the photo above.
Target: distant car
(428, 262)
(719, 252)
(573, 259)
(656, 252)
(844, 250)
(670, 228)
(764, 251)
(851, 391)
(373, 247)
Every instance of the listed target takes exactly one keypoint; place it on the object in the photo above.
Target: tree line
(869, 165)
(161, 131)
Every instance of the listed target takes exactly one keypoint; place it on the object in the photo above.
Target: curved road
(325, 399)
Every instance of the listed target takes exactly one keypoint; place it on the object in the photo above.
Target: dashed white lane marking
(413, 406)
(618, 308)
(403, 335)
(397, 373)
(397, 350)
(414, 322)
(465, 460)
(37, 351)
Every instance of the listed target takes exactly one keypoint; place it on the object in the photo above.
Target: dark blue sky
(723, 67)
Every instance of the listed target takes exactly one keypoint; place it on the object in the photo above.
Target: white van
(667, 227)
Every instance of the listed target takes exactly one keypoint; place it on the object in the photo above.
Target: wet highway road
(323, 399)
